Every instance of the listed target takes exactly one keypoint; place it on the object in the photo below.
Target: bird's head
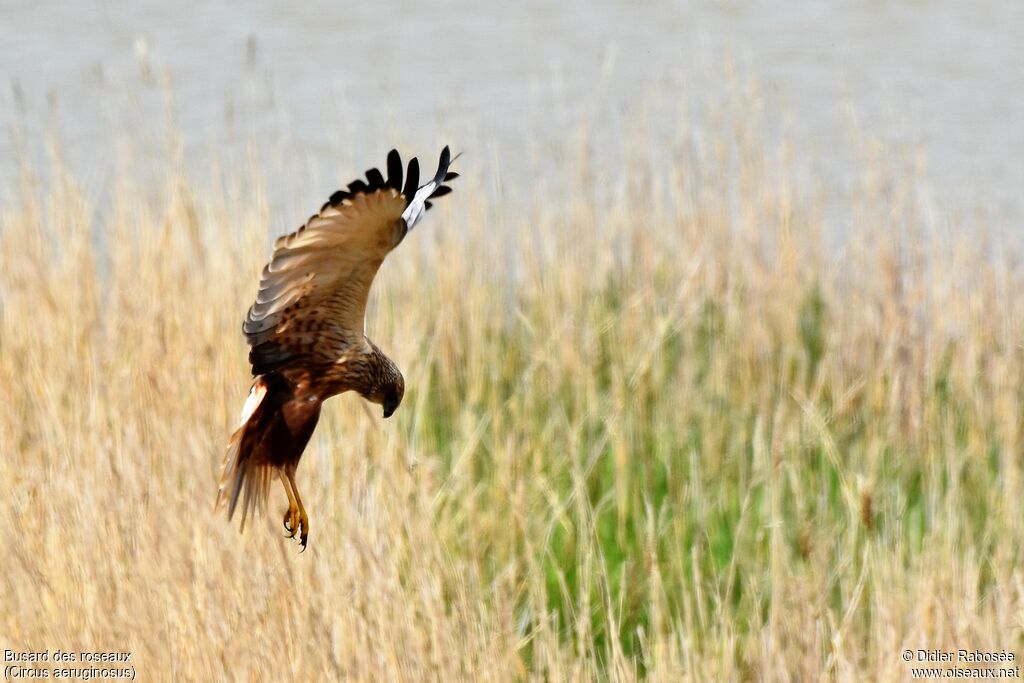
(386, 386)
(391, 395)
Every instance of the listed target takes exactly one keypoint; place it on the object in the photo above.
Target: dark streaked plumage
(306, 334)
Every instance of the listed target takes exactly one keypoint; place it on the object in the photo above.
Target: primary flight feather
(306, 331)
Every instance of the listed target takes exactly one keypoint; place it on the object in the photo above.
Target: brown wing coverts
(312, 295)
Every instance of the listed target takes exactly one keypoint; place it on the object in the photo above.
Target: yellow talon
(295, 518)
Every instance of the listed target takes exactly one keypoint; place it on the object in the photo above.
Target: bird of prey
(306, 332)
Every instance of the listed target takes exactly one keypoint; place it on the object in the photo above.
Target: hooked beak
(389, 411)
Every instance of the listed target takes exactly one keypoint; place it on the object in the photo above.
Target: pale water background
(324, 89)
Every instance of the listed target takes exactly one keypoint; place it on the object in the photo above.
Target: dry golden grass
(655, 427)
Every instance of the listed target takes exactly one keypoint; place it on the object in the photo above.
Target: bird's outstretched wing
(312, 296)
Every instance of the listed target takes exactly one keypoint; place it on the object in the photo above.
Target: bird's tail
(243, 477)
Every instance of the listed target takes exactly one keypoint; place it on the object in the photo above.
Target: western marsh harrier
(306, 332)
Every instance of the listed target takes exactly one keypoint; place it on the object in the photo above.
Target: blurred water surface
(319, 87)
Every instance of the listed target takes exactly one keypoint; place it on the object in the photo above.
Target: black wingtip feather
(357, 187)
(395, 170)
(442, 165)
(375, 179)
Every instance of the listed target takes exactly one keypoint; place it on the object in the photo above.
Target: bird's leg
(291, 515)
(303, 519)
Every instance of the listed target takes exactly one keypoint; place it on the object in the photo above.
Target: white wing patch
(417, 207)
(256, 394)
